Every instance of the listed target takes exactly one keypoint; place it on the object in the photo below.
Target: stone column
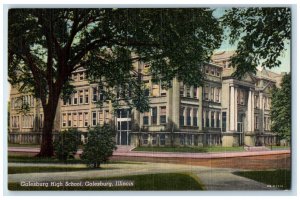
(200, 109)
(235, 109)
(232, 109)
(175, 102)
(250, 112)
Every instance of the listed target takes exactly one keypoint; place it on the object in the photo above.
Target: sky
(285, 57)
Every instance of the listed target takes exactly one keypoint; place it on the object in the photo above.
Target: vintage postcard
(149, 99)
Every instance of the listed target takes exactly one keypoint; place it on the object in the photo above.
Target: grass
(278, 147)
(162, 182)
(39, 169)
(189, 149)
(32, 159)
(280, 179)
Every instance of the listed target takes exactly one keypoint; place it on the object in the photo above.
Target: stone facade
(225, 111)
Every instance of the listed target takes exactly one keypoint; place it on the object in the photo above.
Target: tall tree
(281, 109)
(260, 34)
(46, 45)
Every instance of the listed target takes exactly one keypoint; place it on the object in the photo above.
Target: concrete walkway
(128, 152)
(212, 178)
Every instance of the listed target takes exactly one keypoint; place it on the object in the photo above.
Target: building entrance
(123, 127)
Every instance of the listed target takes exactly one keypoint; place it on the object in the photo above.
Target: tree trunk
(46, 149)
(47, 144)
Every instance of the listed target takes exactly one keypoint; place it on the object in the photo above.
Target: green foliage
(99, 147)
(149, 182)
(279, 179)
(66, 145)
(260, 34)
(46, 45)
(281, 109)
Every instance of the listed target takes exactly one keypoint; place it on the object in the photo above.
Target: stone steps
(256, 148)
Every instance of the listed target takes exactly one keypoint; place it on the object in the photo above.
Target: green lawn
(278, 147)
(39, 169)
(32, 159)
(280, 179)
(189, 149)
(165, 181)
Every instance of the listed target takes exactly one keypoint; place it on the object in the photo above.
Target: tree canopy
(46, 45)
(281, 109)
(260, 34)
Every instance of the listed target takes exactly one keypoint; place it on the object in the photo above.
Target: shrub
(66, 145)
(99, 147)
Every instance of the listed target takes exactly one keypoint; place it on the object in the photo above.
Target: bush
(99, 147)
(66, 145)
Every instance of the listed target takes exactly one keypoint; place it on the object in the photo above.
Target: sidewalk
(128, 153)
(212, 178)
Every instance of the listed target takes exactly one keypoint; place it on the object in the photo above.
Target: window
(81, 97)
(70, 101)
(86, 96)
(100, 117)
(75, 119)
(207, 118)
(86, 119)
(81, 76)
(188, 116)
(147, 88)
(195, 92)
(154, 139)
(94, 94)
(195, 111)
(69, 119)
(64, 121)
(145, 138)
(265, 123)
(218, 116)
(212, 71)
(212, 93)
(101, 95)
(207, 70)
(163, 112)
(146, 118)
(162, 139)
(205, 93)
(80, 116)
(218, 91)
(256, 122)
(223, 121)
(75, 98)
(154, 116)
(212, 119)
(218, 72)
(94, 118)
(155, 90)
(182, 116)
(64, 102)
